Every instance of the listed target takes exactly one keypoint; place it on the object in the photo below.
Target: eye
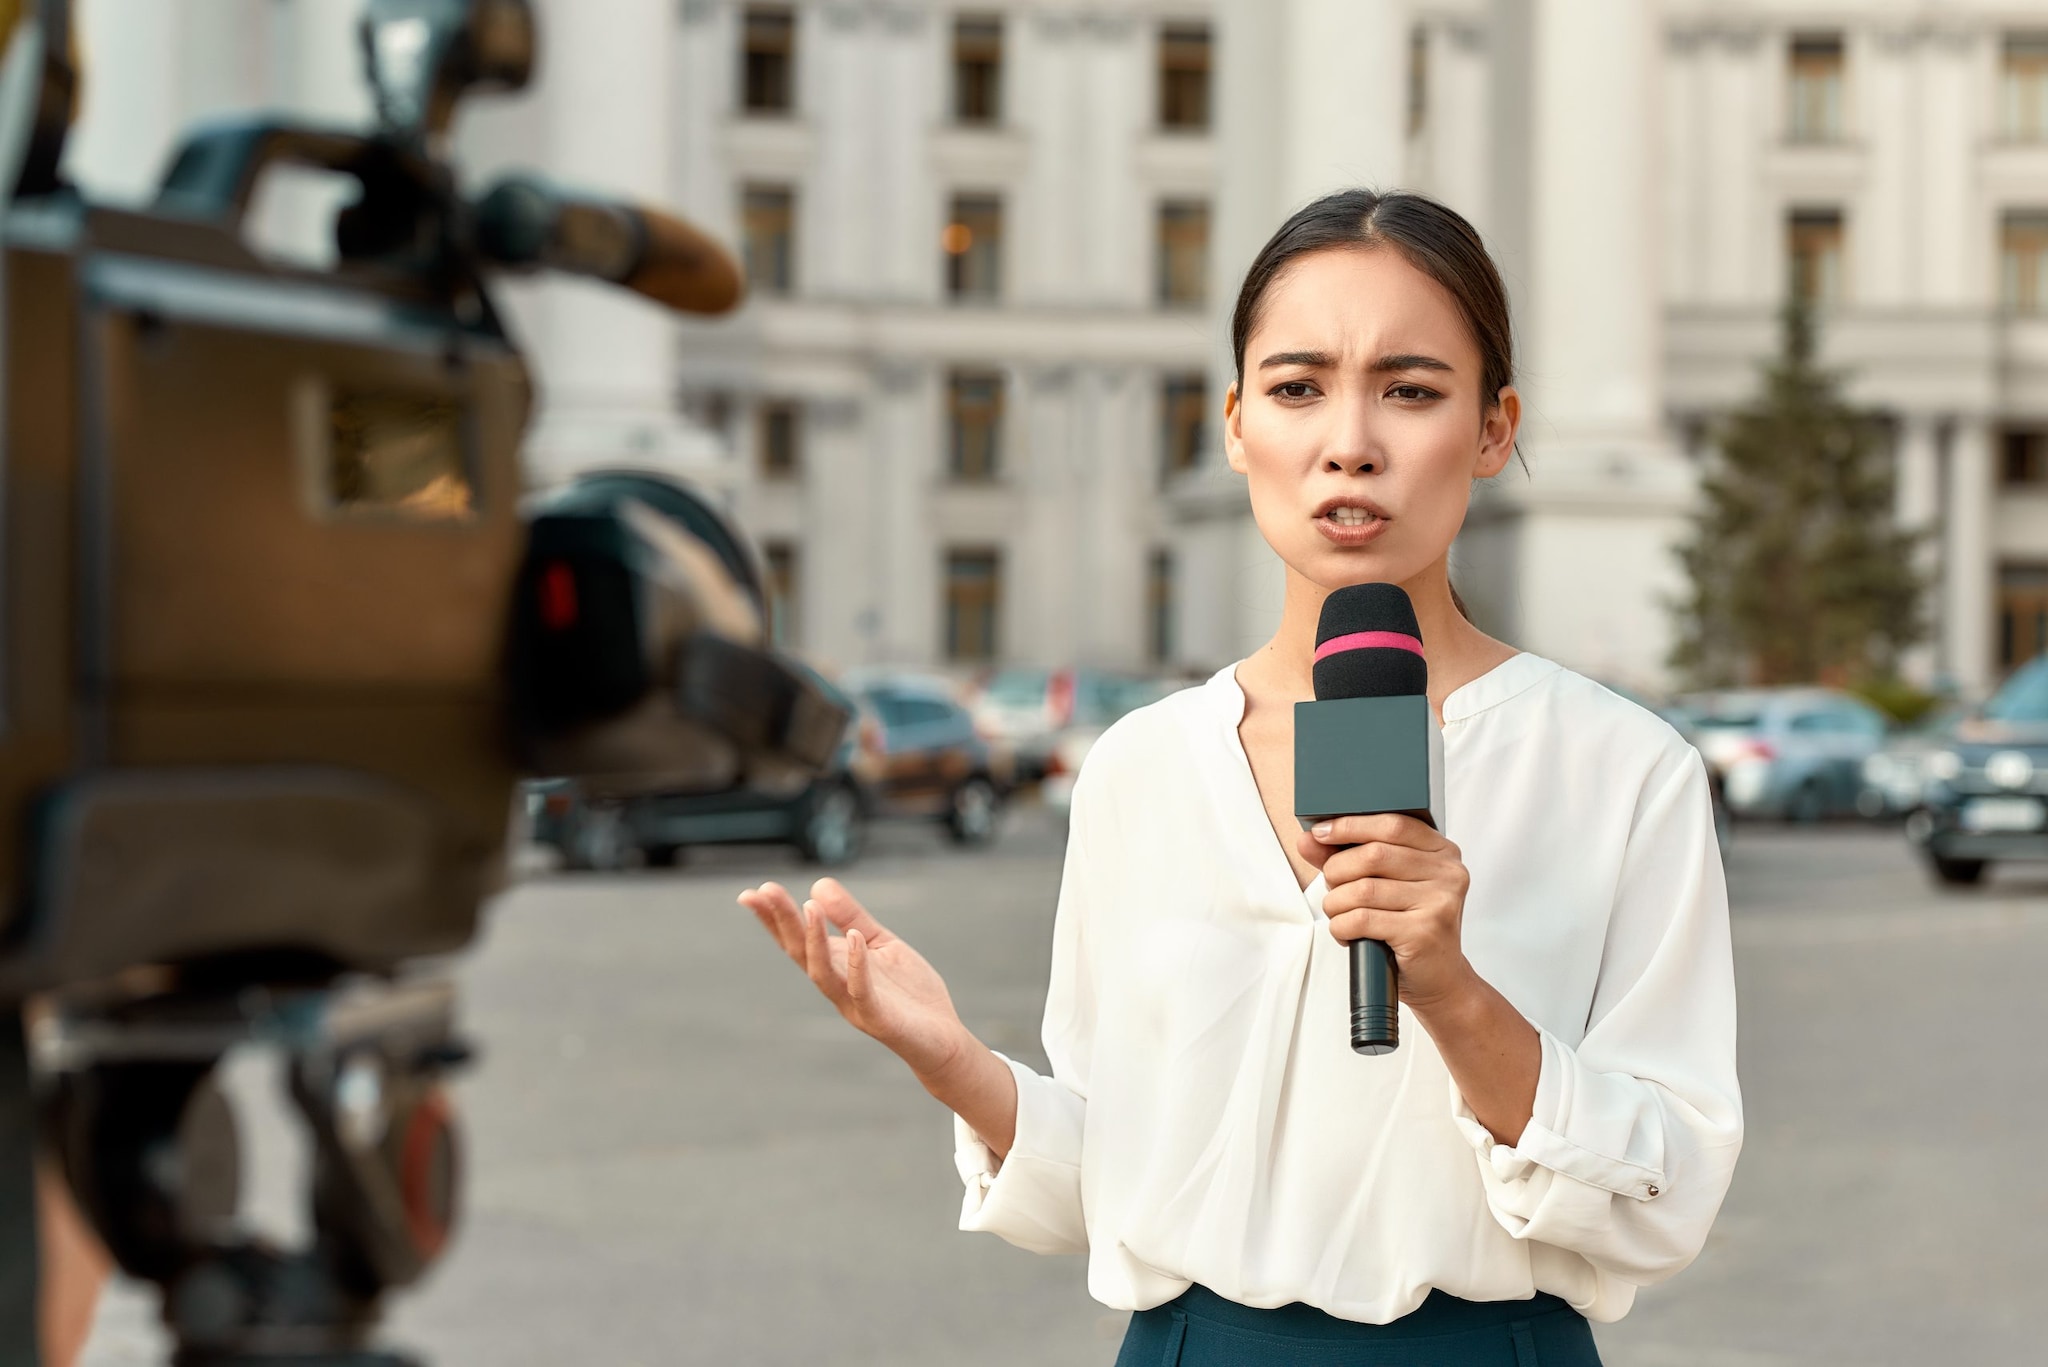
(1412, 392)
(1294, 389)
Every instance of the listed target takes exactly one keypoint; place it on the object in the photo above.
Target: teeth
(1351, 517)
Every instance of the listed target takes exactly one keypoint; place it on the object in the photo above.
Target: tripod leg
(18, 1279)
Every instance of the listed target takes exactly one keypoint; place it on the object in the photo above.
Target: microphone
(1369, 744)
(526, 222)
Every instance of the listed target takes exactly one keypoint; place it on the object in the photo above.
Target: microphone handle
(1375, 1014)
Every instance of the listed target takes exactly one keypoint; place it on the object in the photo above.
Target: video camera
(280, 627)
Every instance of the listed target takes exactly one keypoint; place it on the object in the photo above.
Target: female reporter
(1562, 1119)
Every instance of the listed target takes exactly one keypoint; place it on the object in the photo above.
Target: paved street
(680, 1156)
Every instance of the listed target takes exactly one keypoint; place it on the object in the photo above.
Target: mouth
(1350, 521)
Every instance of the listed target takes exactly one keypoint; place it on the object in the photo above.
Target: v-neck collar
(1496, 685)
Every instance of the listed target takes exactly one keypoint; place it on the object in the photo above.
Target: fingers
(1369, 923)
(1379, 894)
(777, 911)
(827, 968)
(1377, 859)
(846, 913)
(1314, 850)
(857, 983)
(1390, 828)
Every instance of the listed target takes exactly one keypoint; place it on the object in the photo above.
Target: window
(2023, 261)
(973, 241)
(1814, 104)
(1813, 242)
(781, 559)
(978, 69)
(974, 592)
(2023, 87)
(768, 233)
(2022, 613)
(778, 440)
(1159, 605)
(1183, 413)
(1183, 256)
(2026, 457)
(1184, 76)
(974, 422)
(768, 60)
(1418, 79)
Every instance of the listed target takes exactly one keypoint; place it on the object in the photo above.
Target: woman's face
(1361, 424)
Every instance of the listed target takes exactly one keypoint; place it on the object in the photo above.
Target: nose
(1351, 448)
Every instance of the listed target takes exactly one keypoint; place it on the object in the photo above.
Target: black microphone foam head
(1368, 644)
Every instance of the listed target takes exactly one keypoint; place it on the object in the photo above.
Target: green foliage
(1796, 572)
(1904, 703)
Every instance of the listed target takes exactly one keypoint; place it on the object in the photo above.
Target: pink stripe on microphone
(1368, 640)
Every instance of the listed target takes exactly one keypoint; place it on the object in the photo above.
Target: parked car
(1982, 800)
(923, 757)
(1026, 709)
(1896, 773)
(911, 752)
(1795, 754)
(1093, 714)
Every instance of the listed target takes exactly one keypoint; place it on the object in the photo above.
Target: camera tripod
(137, 1117)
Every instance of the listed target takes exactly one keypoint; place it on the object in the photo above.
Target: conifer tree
(1796, 570)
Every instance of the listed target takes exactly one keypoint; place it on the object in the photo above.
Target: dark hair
(1436, 240)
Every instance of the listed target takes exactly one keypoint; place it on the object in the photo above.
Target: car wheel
(600, 842)
(1807, 804)
(834, 827)
(1959, 872)
(972, 812)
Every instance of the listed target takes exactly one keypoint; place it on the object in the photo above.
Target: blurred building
(979, 342)
(970, 409)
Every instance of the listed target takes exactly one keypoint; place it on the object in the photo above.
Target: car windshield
(1017, 688)
(2024, 697)
(1725, 721)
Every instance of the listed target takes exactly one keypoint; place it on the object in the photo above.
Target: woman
(1561, 1120)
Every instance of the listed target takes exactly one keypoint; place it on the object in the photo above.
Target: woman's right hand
(881, 985)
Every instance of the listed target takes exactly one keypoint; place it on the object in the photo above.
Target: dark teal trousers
(1201, 1329)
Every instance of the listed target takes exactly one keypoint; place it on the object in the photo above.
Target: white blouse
(1206, 1120)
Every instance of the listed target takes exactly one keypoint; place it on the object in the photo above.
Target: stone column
(1917, 505)
(605, 360)
(1582, 543)
(1968, 594)
(908, 559)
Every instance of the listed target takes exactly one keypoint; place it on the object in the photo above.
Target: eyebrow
(1400, 360)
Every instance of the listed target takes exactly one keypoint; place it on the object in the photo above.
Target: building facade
(971, 409)
(979, 338)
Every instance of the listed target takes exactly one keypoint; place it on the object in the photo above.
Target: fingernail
(1320, 829)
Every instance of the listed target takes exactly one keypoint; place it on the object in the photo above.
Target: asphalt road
(679, 1155)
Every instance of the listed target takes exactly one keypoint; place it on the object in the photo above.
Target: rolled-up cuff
(1584, 1125)
(1031, 1197)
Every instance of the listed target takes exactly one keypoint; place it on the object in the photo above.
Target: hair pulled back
(1434, 238)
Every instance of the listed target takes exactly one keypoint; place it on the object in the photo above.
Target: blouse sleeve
(1032, 1195)
(1635, 1131)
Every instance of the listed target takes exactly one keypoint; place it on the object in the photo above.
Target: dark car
(1984, 796)
(912, 752)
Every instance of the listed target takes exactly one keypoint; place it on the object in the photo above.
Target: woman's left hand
(1397, 879)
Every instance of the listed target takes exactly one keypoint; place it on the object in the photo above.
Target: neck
(1458, 652)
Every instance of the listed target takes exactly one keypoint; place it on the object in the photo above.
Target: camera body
(280, 628)
(278, 621)
(261, 536)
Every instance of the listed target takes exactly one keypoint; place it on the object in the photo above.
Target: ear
(1233, 429)
(1497, 434)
